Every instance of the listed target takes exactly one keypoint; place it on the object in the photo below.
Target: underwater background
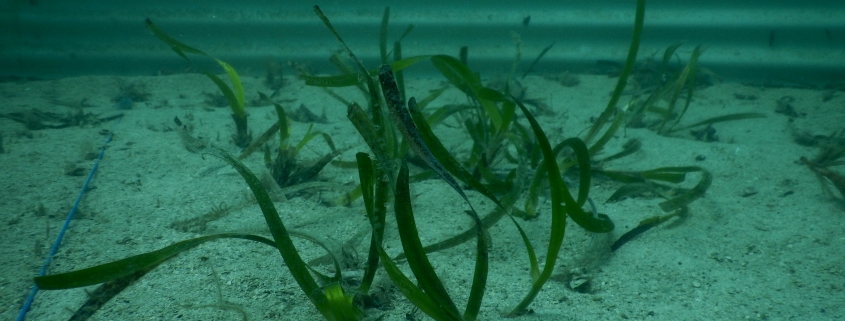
(716, 150)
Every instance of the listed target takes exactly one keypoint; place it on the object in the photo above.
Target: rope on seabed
(58, 241)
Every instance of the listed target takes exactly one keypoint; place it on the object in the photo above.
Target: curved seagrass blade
(691, 195)
(562, 204)
(128, 266)
(444, 157)
(234, 96)
(429, 294)
(417, 259)
(623, 76)
(639, 182)
(119, 275)
(644, 226)
(330, 301)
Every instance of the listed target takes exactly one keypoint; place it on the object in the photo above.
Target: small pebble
(748, 191)
(124, 103)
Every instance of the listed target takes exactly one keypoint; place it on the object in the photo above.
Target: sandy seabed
(765, 243)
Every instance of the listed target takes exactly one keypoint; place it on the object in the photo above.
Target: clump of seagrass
(285, 169)
(668, 97)
(832, 154)
(234, 95)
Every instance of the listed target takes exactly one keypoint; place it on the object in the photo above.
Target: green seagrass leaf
(121, 268)
(416, 256)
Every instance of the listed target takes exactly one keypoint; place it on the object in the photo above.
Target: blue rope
(58, 240)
